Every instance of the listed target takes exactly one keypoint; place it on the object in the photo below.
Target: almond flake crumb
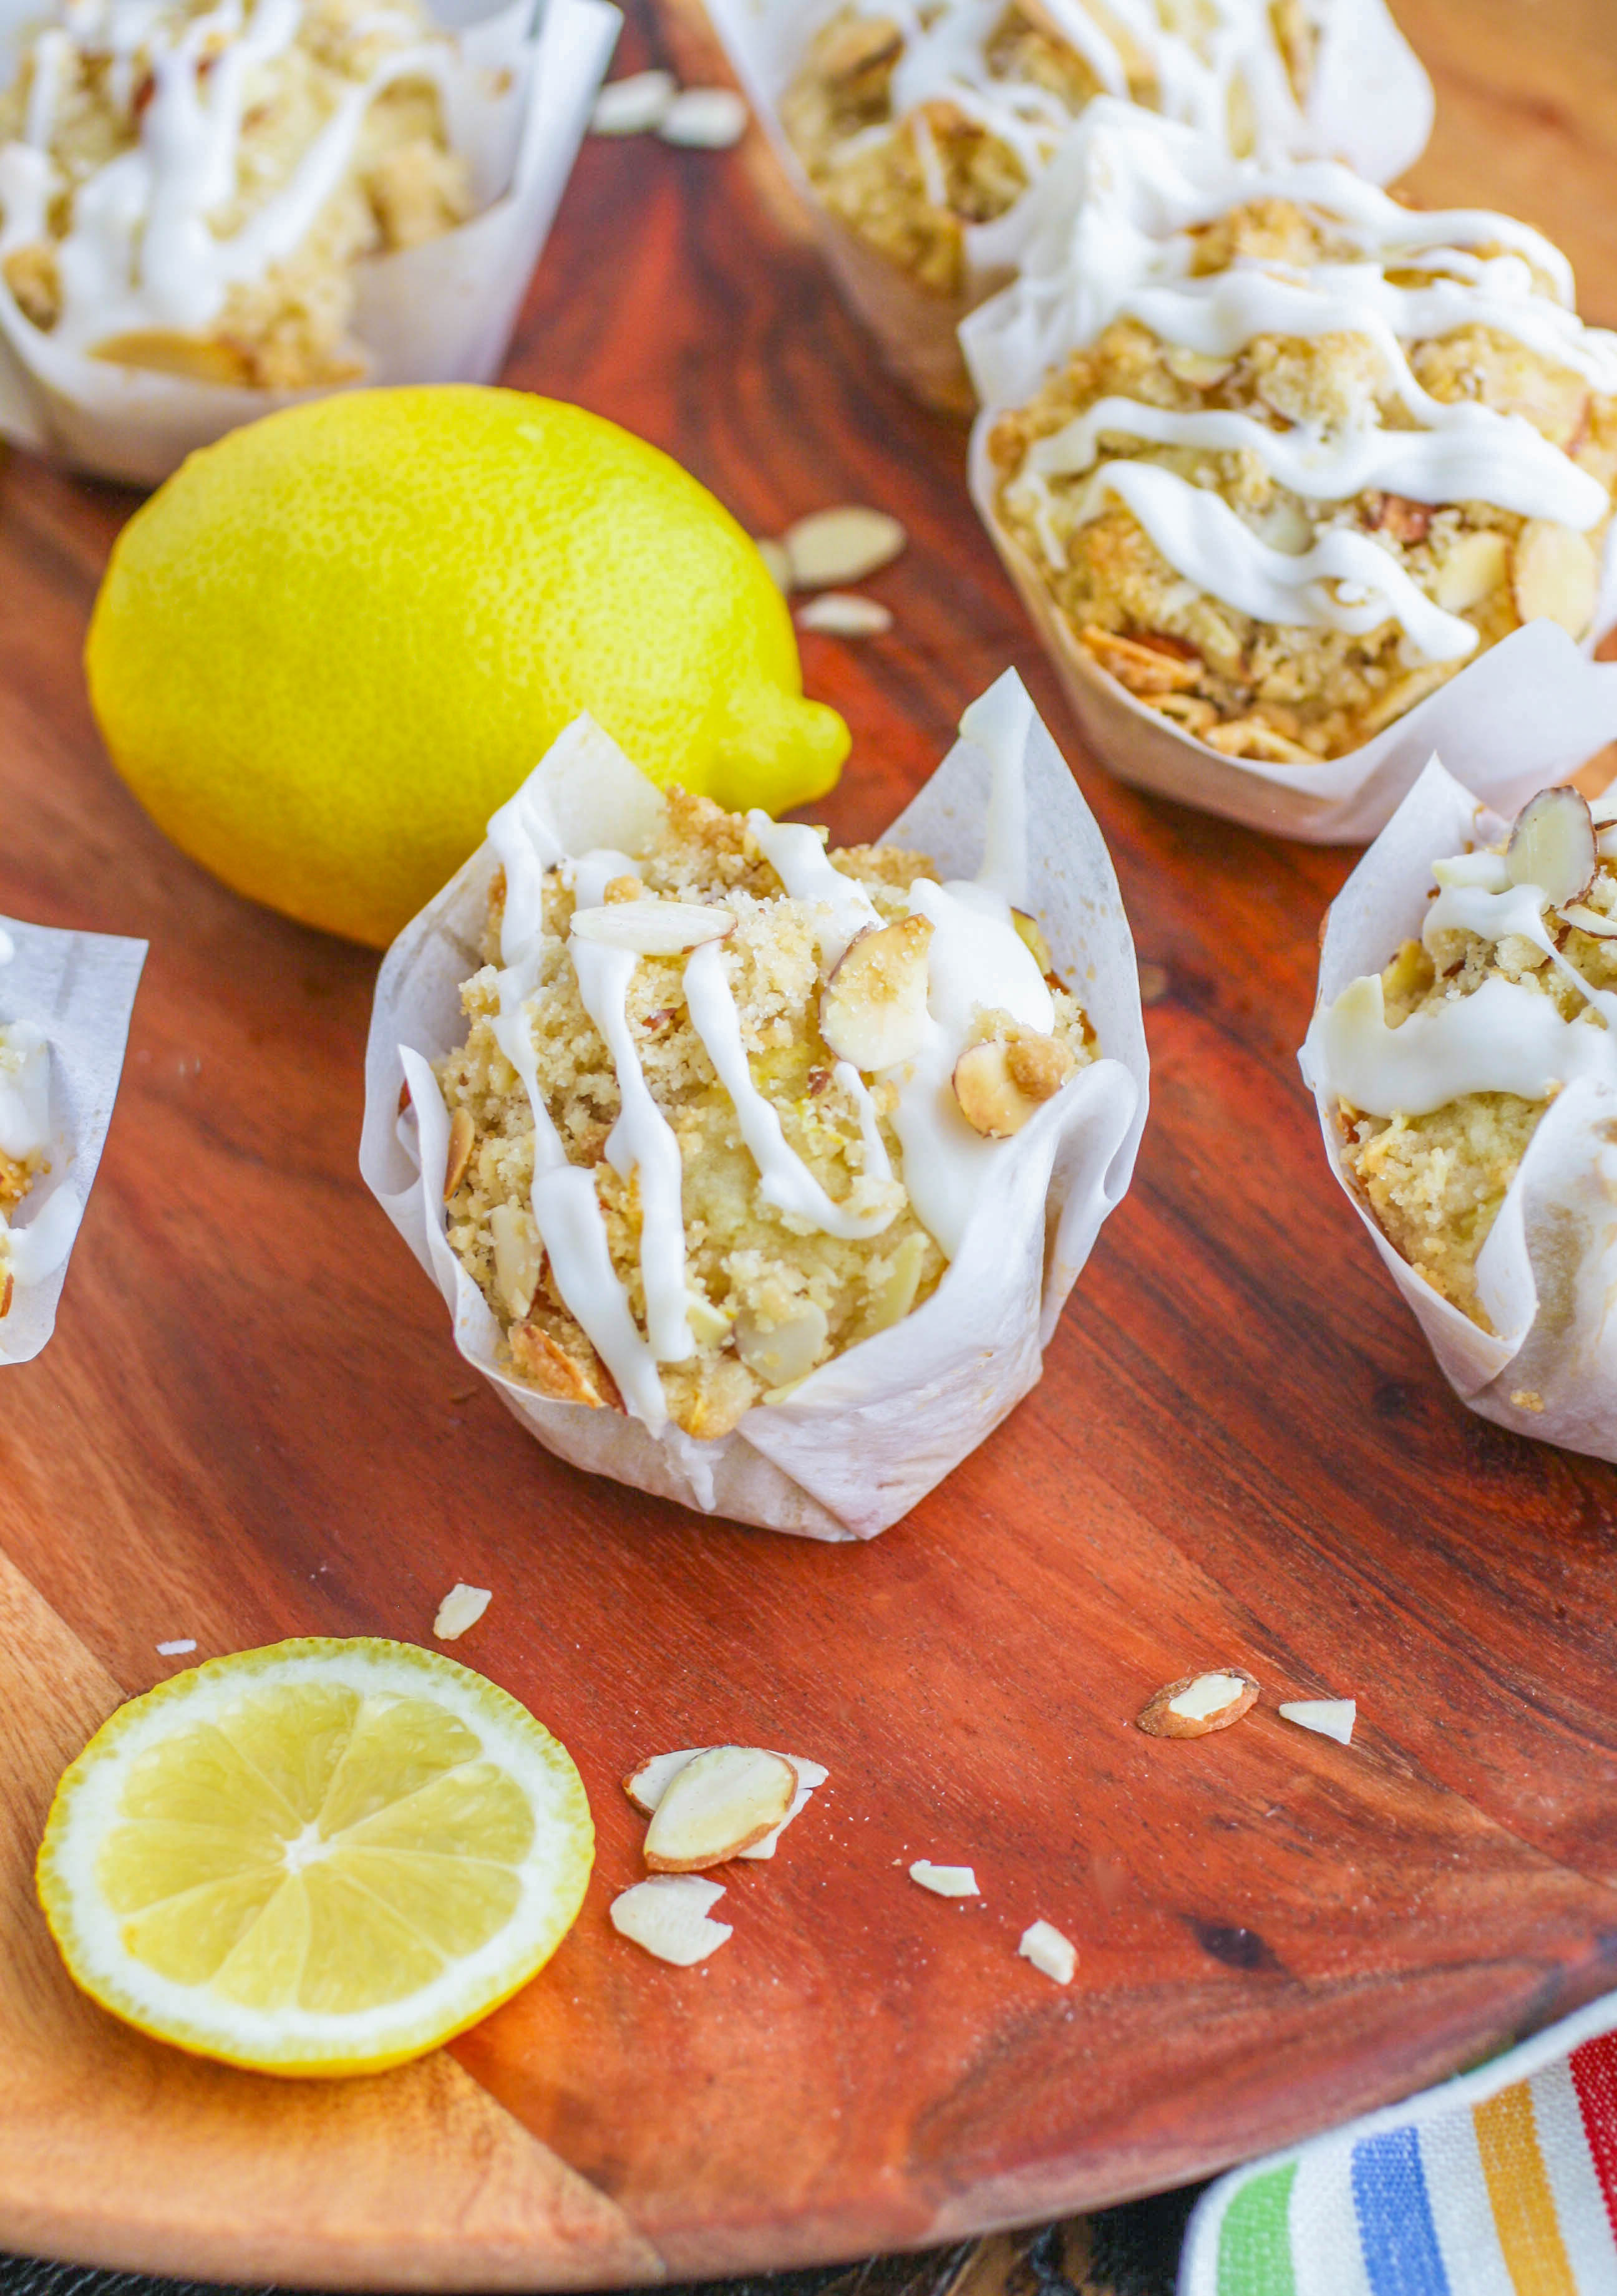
(462, 1607)
(845, 615)
(646, 1786)
(177, 1650)
(944, 1880)
(1053, 1954)
(667, 1917)
(1332, 1718)
(634, 105)
(705, 119)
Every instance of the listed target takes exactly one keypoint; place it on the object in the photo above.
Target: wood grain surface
(251, 1424)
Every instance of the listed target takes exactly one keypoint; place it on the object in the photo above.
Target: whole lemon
(332, 644)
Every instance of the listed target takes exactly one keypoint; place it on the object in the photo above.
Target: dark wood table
(251, 1424)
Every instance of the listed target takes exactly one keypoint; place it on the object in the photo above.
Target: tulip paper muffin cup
(1547, 1273)
(1371, 103)
(78, 990)
(1529, 711)
(860, 1441)
(442, 312)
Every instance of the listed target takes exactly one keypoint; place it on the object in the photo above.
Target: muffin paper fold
(864, 1438)
(79, 989)
(1527, 712)
(1547, 1273)
(1371, 103)
(442, 312)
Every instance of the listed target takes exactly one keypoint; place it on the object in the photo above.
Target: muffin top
(1443, 1064)
(183, 185)
(1275, 400)
(724, 1105)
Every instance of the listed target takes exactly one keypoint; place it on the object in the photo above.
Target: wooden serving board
(251, 1424)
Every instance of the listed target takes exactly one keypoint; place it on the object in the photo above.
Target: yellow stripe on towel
(1518, 2187)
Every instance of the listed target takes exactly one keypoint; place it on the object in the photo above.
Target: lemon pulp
(323, 1856)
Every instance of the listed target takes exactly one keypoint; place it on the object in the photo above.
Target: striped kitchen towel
(1502, 2183)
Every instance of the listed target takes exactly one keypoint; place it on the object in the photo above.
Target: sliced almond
(462, 1607)
(1330, 1717)
(8, 1289)
(944, 1880)
(873, 1009)
(519, 1257)
(844, 614)
(1589, 921)
(1051, 1954)
(780, 1353)
(1000, 1084)
(1198, 1703)
(831, 547)
(1552, 846)
(646, 1786)
(1555, 576)
(652, 928)
(536, 1358)
(773, 555)
(633, 106)
(1141, 667)
(893, 1300)
(717, 1805)
(704, 120)
(1196, 368)
(711, 1324)
(667, 1917)
(1471, 570)
(463, 1133)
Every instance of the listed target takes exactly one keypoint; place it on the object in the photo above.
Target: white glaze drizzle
(797, 855)
(946, 57)
(1506, 1036)
(1122, 247)
(140, 252)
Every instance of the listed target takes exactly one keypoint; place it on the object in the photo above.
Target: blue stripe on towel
(1395, 2228)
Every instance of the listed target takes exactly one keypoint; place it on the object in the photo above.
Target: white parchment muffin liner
(1371, 103)
(442, 312)
(1529, 711)
(78, 990)
(1547, 1274)
(867, 1435)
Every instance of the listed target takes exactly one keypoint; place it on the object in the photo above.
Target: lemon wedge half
(323, 1858)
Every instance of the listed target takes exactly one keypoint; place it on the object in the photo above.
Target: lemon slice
(320, 1857)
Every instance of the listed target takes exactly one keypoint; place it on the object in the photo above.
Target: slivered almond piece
(1330, 1717)
(1033, 940)
(1552, 846)
(844, 614)
(1589, 921)
(463, 1133)
(633, 106)
(667, 1917)
(462, 1607)
(519, 1257)
(1196, 368)
(652, 928)
(646, 1786)
(1001, 1082)
(1141, 667)
(1199, 1703)
(1051, 1954)
(873, 1009)
(1471, 570)
(785, 1351)
(830, 547)
(1555, 576)
(536, 1358)
(718, 1805)
(704, 120)
(944, 1880)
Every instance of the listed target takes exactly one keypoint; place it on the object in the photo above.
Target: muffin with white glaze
(186, 187)
(1442, 1067)
(747, 1090)
(24, 1135)
(1287, 455)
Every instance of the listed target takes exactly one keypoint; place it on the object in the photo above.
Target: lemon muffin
(186, 186)
(1299, 453)
(916, 123)
(722, 1110)
(1442, 1066)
